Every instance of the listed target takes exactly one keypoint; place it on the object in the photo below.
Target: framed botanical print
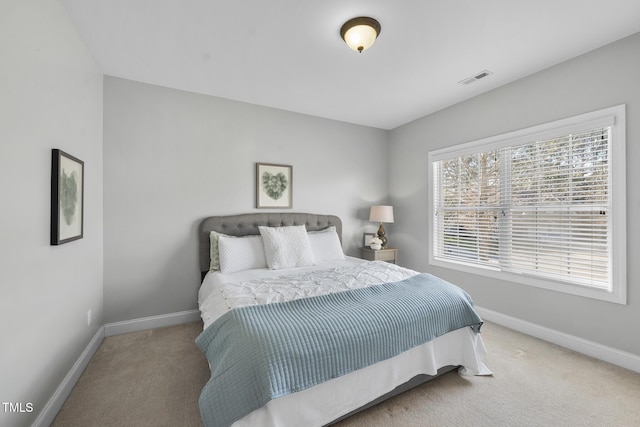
(67, 197)
(274, 186)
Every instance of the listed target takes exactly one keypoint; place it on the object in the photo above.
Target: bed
(297, 333)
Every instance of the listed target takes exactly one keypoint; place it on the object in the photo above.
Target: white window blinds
(558, 208)
(534, 205)
(468, 206)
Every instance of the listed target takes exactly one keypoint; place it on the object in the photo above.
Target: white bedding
(221, 292)
(324, 403)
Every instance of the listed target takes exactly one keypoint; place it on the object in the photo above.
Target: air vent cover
(482, 74)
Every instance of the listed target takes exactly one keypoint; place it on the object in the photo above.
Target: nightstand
(386, 254)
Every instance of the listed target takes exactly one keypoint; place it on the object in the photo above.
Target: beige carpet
(153, 378)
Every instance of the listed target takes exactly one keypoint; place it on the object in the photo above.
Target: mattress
(332, 399)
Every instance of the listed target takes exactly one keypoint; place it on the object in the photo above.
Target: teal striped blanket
(259, 353)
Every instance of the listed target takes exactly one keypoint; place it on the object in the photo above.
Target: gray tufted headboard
(246, 224)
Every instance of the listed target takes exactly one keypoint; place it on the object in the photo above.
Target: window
(543, 206)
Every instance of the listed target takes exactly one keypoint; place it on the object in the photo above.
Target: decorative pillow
(325, 245)
(287, 247)
(214, 256)
(240, 253)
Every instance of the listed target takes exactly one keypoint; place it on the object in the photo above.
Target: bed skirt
(327, 402)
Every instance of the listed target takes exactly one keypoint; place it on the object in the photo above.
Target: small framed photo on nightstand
(366, 238)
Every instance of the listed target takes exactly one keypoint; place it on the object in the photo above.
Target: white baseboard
(142, 324)
(608, 354)
(51, 409)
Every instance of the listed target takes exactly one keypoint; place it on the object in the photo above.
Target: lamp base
(381, 236)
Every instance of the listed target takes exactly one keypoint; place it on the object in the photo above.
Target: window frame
(613, 117)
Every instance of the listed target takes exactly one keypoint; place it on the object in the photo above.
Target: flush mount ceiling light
(360, 33)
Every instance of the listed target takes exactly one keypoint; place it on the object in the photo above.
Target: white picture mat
(69, 166)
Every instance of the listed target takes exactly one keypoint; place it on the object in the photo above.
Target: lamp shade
(360, 33)
(381, 213)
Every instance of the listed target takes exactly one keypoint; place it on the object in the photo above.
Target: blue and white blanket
(259, 353)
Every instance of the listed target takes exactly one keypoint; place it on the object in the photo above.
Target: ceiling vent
(482, 74)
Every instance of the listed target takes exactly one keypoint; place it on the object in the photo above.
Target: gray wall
(172, 158)
(50, 97)
(602, 78)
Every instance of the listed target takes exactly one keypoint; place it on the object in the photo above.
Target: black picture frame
(274, 186)
(67, 197)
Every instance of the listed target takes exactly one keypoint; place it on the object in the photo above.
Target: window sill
(548, 284)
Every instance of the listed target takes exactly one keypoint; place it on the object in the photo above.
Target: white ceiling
(288, 54)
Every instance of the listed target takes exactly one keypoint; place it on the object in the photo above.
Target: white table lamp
(381, 214)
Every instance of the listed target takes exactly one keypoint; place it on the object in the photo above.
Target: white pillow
(287, 247)
(325, 245)
(240, 253)
(214, 255)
